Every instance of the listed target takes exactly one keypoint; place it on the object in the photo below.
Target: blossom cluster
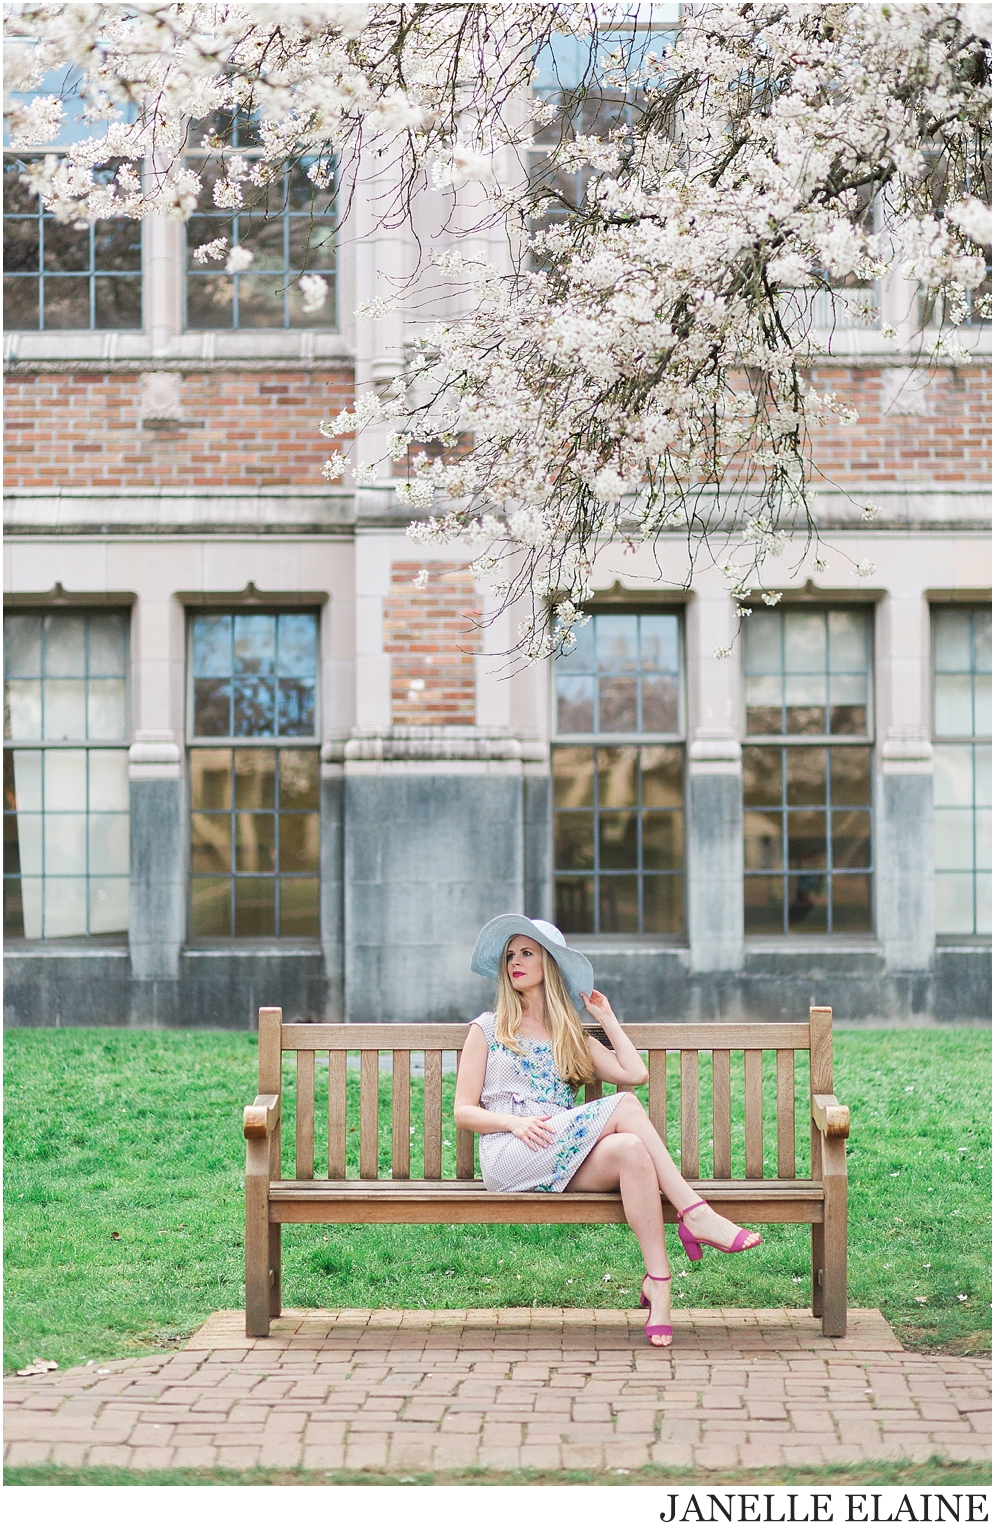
(642, 364)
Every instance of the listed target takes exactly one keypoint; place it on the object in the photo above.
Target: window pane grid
(962, 770)
(65, 677)
(622, 677)
(618, 798)
(288, 233)
(66, 798)
(57, 277)
(254, 842)
(254, 676)
(619, 857)
(807, 839)
(807, 673)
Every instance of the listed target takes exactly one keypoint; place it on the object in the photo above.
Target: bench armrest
(259, 1119)
(830, 1118)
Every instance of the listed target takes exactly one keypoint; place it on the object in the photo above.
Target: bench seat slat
(468, 1202)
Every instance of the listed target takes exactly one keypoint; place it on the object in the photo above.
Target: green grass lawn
(936, 1473)
(124, 1204)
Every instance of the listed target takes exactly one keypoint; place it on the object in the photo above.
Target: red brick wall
(260, 428)
(950, 444)
(432, 635)
(82, 429)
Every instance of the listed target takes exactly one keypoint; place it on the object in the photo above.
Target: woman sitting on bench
(520, 1069)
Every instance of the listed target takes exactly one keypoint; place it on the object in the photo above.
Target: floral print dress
(528, 1084)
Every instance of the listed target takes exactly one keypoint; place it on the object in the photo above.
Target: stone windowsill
(70, 946)
(257, 946)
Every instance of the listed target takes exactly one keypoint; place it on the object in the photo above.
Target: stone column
(332, 910)
(158, 902)
(715, 852)
(715, 793)
(373, 707)
(904, 786)
(434, 847)
(905, 881)
(164, 255)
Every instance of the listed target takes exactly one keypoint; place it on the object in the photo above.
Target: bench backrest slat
(452, 1035)
(785, 1114)
(721, 1115)
(369, 1115)
(336, 1043)
(305, 1114)
(337, 1078)
(753, 1109)
(658, 1092)
(464, 1145)
(400, 1115)
(433, 1114)
(689, 1112)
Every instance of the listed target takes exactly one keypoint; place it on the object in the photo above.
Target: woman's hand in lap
(533, 1132)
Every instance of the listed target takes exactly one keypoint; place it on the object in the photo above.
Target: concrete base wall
(217, 990)
(48, 986)
(429, 858)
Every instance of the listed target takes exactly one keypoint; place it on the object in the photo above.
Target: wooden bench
(817, 1197)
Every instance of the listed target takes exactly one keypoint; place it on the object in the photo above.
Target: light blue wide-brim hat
(493, 940)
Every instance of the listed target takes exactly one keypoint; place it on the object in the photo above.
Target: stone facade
(171, 473)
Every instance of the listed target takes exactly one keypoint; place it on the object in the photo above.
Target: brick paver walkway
(510, 1388)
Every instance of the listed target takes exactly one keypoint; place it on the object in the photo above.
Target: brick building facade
(249, 760)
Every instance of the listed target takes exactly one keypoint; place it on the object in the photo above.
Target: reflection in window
(255, 676)
(962, 762)
(618, 803)
(807, 828)
(66, 851)
(289, 227)
(807, 672)
(574, 80)
(621, 677)
(619, 838)
(254, 842)
(59, 277)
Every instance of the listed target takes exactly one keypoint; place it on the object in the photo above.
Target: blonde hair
(570, 1050)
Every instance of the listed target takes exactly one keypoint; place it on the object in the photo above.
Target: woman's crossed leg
(631, 1156)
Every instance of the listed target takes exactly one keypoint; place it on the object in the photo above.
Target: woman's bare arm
(624, 1066)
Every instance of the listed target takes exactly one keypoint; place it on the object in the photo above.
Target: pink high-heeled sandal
(692, 1246)
(644, 1303)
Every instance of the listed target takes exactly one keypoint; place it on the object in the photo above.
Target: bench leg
(274, 1271)
(257, 1241)
(818, 1265)
(834, 1237)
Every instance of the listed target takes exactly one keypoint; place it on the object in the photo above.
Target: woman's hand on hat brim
(598, 1006)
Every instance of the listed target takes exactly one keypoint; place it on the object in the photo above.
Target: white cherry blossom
(642, 364)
